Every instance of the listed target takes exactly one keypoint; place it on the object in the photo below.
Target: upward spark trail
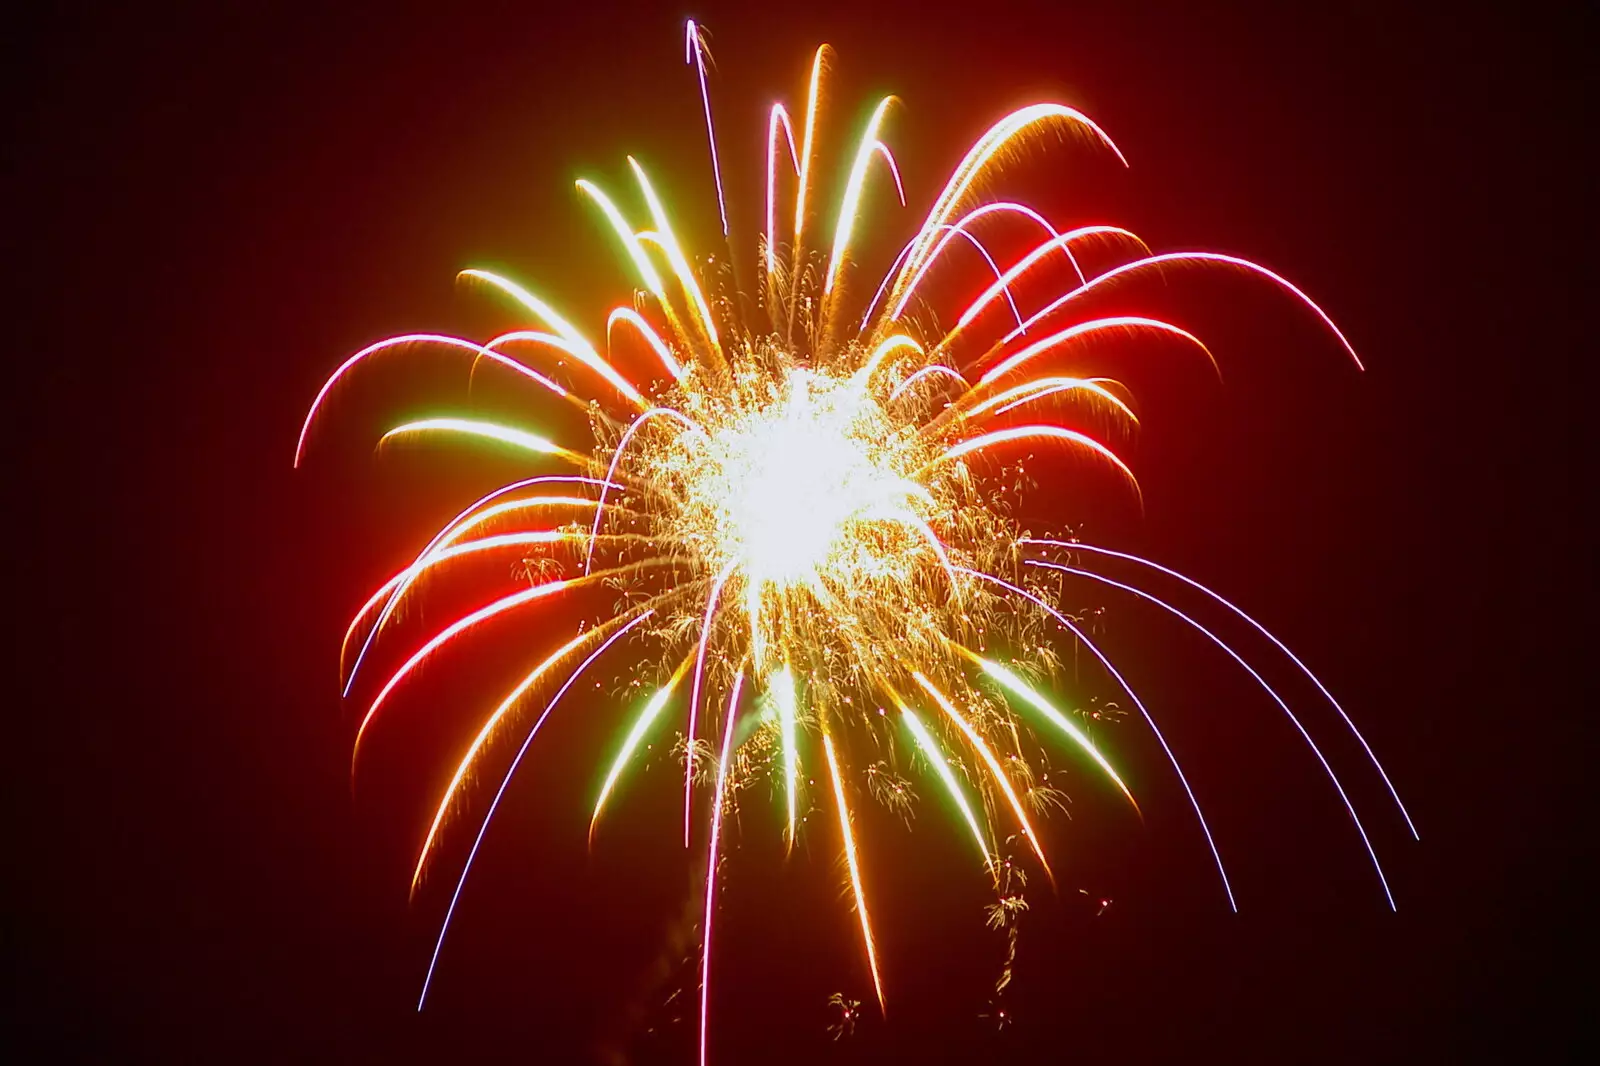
(803, 500)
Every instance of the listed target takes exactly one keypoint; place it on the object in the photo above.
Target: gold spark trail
(854, 863)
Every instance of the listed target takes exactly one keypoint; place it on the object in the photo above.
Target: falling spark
(941, 766)
(855, 867)
(491, 724)
(995, 769)
(781, 685)
(718, 802)
(1259, 628)
(641, 725)
(694, 51)
(444, 547)
(1116, 675)
(494, 804)
(1270, 691)
(1017, 687)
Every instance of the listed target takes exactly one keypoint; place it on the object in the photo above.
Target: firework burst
(796, 513)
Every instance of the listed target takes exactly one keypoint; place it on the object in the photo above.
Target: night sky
(216, 209)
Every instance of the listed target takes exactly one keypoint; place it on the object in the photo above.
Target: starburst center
(796, 483)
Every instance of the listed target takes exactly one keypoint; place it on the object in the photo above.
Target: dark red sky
(215, 209)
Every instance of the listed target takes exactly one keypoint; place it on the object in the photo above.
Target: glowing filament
(1017, 687)
(995, 769)
(936, 759)
(641, 725)
(855, 867)
(781, 685)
